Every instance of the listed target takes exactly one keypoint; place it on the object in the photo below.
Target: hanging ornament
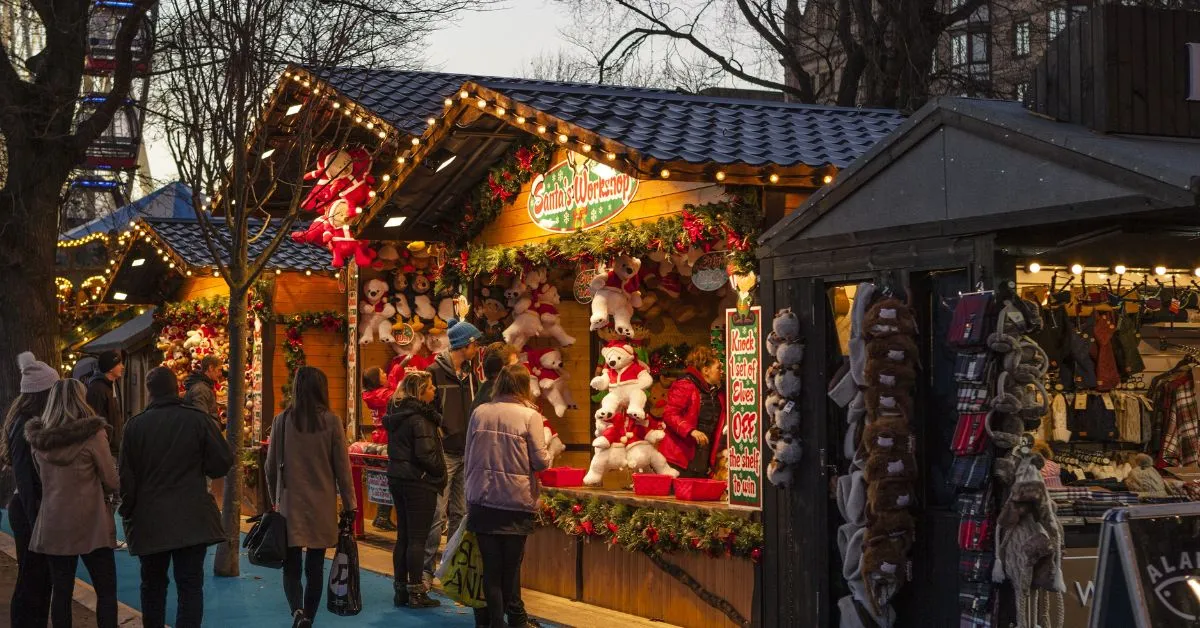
(583, 283)
(708, 273)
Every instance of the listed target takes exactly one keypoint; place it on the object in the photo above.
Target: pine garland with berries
(524, 160)
(331, 321)
(651, 530)
(733, 222)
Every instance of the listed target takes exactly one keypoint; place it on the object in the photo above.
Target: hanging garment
(1078, 369)
(1125, 345)
(1181, 430)
(1107, 374)
(1053, 336)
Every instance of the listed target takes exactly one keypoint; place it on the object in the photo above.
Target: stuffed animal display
(376, 313)
(546, 367)
(527, 323)
(616, 293)
(625, 435)
(782, 405)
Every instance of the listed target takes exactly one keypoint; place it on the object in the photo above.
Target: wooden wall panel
(629, 582)
(296, 292)
(549, 565)
(324, 350)
(203, 288)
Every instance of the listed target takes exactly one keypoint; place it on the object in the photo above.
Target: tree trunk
(29, 204)
(227, 556)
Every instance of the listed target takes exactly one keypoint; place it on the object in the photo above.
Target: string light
(1160, 270)
(520, 119)
(431, 121)
(464, 94)
(387, 177)
(1035, 267)
(383, 135)
(67, 244)
(1120, 269)
(337, 105)
(449, 102)
(1077, 269)
(611, 156)
(827, 179)
(278, 272)
(482, 103)
(400, 160)
(774, 178)
(587, 148)
(664, 173)
(562, 138)
(370, 125)
(541, 128)
(720, 175)
(416, 141)
(500, 111)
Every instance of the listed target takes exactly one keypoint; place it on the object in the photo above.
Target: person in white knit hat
(33, 569)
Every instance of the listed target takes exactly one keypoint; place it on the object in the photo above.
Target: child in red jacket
(695, 416)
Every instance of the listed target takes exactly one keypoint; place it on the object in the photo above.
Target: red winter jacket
(377, 402)
(681, 416)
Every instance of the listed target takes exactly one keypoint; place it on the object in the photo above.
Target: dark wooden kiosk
(969, 192)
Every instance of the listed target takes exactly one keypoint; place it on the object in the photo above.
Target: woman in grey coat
(307, 469)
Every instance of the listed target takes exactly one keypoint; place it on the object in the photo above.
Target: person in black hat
(101, 395)
(168, 451)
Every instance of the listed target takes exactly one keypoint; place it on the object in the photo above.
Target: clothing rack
(1193, 352)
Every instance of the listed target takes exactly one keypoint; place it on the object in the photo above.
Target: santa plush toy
(554, 444)
(544, 301)
(616, 294)
(340, 176)
(376, 312)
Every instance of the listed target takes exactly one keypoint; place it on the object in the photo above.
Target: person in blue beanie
(454, 380)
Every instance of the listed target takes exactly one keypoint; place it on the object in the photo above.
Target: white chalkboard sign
(1148, 574)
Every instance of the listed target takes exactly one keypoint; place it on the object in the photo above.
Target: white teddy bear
(195, 338)
(545, 301)
(625, 378)
(376, 312)
(552, 380)
(554, 444)
(617, 293)
(643, 455)
(526, 323)
(627, 442)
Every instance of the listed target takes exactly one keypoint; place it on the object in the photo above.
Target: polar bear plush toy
(376, 312)
(627, 442)
(545, 300)
(526, 322)
(617, 293)
(625, 379)
(552, 379)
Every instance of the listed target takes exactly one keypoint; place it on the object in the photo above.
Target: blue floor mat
(256, 598)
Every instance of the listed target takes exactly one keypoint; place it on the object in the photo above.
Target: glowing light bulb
(611, 156)
(500, 111)
(720, 175)
(449, 102)
(481, 103)
(587, 148)
(1119, 269)
(827, 179)
(664, 173)
(1077, 269)
(1160, 270)
(774, 178)
(1035, 267)
(464, 94)
(520, 119)
(431, 121)
(562, 138)
(541, 128)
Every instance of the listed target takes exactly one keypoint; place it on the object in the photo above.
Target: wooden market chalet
(469, 196)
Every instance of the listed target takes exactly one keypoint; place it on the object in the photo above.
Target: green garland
(525, 159)
(734, 221)
(653, 531)
(293, 339)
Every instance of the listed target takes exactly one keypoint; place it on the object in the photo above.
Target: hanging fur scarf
(1030, 538)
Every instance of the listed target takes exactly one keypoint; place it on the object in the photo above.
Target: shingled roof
(186, 239)
(665, 125)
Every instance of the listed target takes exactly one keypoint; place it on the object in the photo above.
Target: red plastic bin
(699, 489)
(651, 484)
(562, 477)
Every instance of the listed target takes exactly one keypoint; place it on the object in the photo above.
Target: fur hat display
(890, 377)
(892, 402)
(887, 434)
(894, 348)
(885, 465)
(888, 317)
(1029, 541)
(890, 494)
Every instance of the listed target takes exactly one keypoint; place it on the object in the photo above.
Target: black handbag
(266, 543)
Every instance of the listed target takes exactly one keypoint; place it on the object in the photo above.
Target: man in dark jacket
(455, 383)
(102, 397)
(168, 451)
(201, 387)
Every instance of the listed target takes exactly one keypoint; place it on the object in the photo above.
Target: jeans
(452, 502)
(414, 510)
(189, 584)
(33, 574)
(309, 596)
(102, 566)
(502, 556)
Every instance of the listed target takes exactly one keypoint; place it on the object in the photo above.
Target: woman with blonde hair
(416, 476)
(307, 468)
(75, 463)
(506, 447)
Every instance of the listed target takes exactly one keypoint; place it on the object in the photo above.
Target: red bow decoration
(524, 159)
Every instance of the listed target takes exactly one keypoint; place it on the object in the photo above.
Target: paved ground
(256, 599)
(8, 580)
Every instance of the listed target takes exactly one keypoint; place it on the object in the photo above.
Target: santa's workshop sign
(743, 398)
(579, 194)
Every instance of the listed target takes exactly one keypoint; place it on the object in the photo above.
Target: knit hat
(35, 376)
(462, 334)
(110, 359)
(161, 382)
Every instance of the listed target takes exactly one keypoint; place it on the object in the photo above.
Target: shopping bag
(345, 594)
(461, 571)
(451, 548)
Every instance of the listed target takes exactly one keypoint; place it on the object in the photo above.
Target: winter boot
(418, 598)
(383, 520)
(300, 621)
(401, 596)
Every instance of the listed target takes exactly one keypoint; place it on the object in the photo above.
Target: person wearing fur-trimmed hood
(71, 451)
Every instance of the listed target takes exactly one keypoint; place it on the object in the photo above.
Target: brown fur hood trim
(48, 439)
